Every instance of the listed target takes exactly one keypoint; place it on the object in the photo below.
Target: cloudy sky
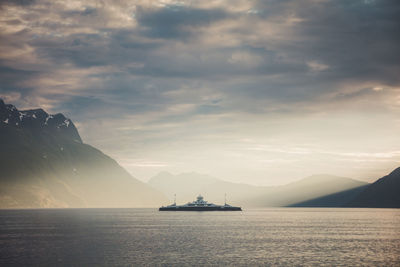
(262, 92)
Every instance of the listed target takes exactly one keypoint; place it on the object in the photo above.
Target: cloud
(176, 21)
(192, 72)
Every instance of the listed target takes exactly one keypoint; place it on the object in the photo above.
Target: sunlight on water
(284, 236)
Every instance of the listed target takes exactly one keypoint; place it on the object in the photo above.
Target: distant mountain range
(44, 163)
(384, 193)
(188, 185)
(313, 191)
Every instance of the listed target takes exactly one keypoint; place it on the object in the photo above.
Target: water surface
(120, 237)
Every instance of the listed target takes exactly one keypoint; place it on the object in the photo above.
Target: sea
(253, 237)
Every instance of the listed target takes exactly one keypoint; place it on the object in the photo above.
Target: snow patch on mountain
(21, 115)
(38, 120)
(48, 118)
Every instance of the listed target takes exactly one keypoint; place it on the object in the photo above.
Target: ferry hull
(200, 208)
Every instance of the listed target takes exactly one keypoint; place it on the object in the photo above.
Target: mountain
(340, 199)
(384, 193)
(305, 189)
(44, 163)
(188, 185)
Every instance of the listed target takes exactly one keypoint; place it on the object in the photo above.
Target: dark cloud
(17, 2)
(274, 54)
(11, 79)
(83, 50)
(176, 22)
(87, 11)
(356, 40)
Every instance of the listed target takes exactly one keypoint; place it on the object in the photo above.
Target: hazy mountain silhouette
(188, 185)
(340, 199)
(44, 163)
(305, 189)
(384, 193)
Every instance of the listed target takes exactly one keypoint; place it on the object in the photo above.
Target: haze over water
(275, 236)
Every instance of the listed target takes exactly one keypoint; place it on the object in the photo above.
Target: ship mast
(174, 199)
(225, 199)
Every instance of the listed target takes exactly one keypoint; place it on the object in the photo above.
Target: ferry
(199, 205)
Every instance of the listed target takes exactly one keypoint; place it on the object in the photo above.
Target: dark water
(121, 237)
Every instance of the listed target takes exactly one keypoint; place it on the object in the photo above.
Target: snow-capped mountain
(38, 120)
(44, 163)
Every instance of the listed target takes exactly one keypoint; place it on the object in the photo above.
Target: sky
(258, 92)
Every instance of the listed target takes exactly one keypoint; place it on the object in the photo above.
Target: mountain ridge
(383, 193)
(187, 185)
(38, 121)
(44, 163)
